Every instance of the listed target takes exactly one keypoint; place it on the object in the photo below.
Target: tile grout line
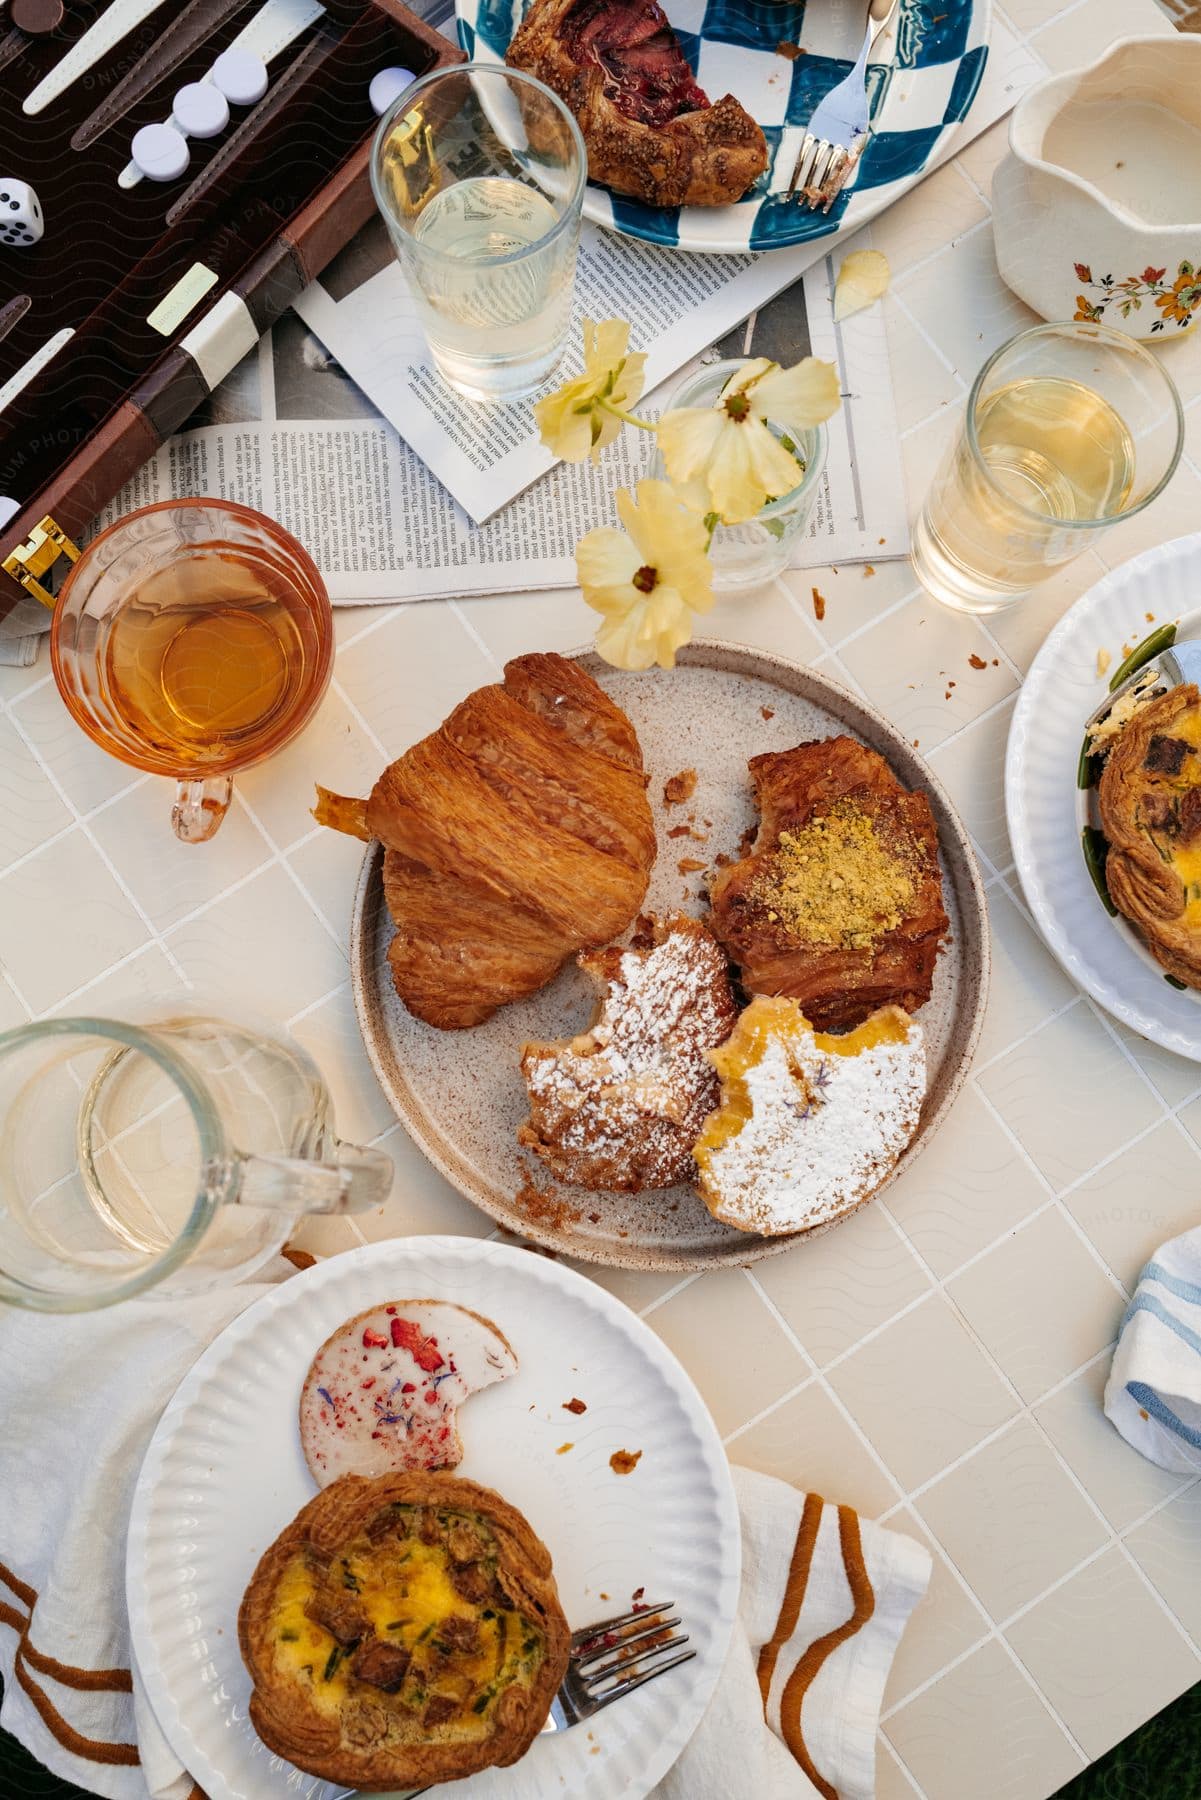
(281, 861)
(902, 1765)
(90, 838)
(476, 636)
(364, 725)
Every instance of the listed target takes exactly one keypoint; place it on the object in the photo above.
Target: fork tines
(616, 1656)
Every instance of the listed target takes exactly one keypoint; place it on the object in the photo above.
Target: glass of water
(1069, 429)
(479, 173)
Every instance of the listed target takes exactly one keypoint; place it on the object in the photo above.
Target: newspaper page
(290, 433)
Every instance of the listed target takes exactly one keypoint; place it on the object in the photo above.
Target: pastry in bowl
(838, 905)
(1150, 808)
(810, 1124)
(403, 1631)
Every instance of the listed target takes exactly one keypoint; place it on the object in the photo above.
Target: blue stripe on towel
(1149, 1304)
(1183, 1290)
(1151, 1403)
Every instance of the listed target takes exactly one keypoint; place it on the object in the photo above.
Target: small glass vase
(751, 554)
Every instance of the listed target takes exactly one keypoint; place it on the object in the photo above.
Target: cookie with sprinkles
(383, 1392)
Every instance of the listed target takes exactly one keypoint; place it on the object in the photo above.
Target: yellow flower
(863, 277)
(573, 420)
(723, 458)
(647, 580)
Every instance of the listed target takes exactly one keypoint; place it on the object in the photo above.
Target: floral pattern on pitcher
(1177, 301)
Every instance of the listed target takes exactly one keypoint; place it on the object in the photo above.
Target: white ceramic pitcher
(1097, 207)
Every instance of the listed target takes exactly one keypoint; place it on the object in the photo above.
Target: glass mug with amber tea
(192, 639)
(1069, 429)
(175, 1156)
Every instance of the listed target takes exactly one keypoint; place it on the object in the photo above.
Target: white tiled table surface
(938, 1361)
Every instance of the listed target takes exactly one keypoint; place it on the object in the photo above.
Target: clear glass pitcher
(175, 1155)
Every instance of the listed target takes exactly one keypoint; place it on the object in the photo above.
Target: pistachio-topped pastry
(403, 1630)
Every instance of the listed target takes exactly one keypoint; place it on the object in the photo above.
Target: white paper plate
(1060, 692)
(224, 1474)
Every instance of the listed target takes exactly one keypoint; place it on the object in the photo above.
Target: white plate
(224, 1474)
(1059, 693)
(931, 62)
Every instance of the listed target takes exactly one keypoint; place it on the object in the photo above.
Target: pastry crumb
(868, 569)
(575, 1406)
(689, 865)
(624, 1462)
(819, 604)
(1104, 658)
(678, 788)
(544, 1206)
(563, 1449)
(977, 662)
(1150, 618)
(767, 712)
(788, 51)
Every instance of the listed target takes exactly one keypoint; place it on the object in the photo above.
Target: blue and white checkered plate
(937, 48)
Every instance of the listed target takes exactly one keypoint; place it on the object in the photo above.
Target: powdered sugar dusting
(621, 1105)
(823, 1131)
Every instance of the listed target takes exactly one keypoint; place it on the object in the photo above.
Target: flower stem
(627, 418)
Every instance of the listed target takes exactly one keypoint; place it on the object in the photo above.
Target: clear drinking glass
(179, 1154)
(748, 555)
(193, 638)
(1069, 429)
(479, 173)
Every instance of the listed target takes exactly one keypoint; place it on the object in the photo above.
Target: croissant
(515, 835)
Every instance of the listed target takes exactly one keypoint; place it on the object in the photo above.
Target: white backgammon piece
(21, 221)
(160, 152)
(386, 87)
(200, 110)
(240, 75)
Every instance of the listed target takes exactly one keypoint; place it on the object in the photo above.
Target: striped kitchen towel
(825, 1598)
(1153, 1395)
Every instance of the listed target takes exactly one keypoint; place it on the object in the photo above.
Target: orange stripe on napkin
(802, 1677)
(86, 1680)
(23, 1592)
(90, 1749)
(794, 1592)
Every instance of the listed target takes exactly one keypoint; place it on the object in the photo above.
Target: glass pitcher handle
(199, 808)
(357, 1180)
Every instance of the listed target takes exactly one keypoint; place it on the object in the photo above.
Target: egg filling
(413, 1615)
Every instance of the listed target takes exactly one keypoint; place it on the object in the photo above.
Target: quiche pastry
(619, 1106)
(810, 1124)
(383, 1391)
(838, 903)
(403, 1631)
(1150, 806)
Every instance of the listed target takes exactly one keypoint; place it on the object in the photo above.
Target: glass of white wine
(1069, 429)
(479, 173)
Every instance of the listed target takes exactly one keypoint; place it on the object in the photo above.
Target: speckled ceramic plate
(460, 1093)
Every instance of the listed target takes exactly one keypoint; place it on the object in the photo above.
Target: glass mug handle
(352, 1180)
(200, 807)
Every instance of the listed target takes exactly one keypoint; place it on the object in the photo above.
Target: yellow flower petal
(688, 439)
(743, 378)
(606, 562)
(565, 419)
(573, 421)
(750, 466)
(804, 395)
(863, 277)
(605, 345)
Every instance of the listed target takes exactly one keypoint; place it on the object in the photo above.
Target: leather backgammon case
(162, 286)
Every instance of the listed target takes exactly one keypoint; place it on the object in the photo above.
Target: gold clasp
(41, 549)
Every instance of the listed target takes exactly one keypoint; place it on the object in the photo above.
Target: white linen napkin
(824, 1597)
(1153, 1395)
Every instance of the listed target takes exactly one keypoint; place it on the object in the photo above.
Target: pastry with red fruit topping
(383, 1392)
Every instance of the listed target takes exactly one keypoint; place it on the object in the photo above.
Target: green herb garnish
(479, 1705)
(395, 1624)
(1161, 639)
(335, 1657)
(1096, 848)
(289, 1637)
(1173, 982)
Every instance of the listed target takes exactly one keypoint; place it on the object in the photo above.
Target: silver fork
(608, 1653)
(837, 132)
